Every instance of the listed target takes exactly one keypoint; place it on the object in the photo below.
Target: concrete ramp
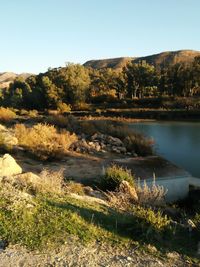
(193, 181)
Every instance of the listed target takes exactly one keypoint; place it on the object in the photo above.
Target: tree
(139, 76)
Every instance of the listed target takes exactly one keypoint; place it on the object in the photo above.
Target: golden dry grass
(44, 141)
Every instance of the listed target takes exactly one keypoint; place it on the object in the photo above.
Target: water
(178, 142)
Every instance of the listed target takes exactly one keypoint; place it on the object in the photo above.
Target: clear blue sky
(37, 34)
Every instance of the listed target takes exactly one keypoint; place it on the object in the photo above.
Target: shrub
(58, 120)
(73, 187)
(113, 177)
(63, 107)
(69, 122)
(6, 114)
(151, 195)
(150, 221)
(82, 106)
(33, 113)
(43, 140)
(88, 128)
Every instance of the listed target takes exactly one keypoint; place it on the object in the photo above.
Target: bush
(69, 122)
(82, 106)
(6, 114)
(151, 195)
(63, 107)
(150, 221)
(43, 140)
(113, 177)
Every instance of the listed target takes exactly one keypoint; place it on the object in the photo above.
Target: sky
(38, 34)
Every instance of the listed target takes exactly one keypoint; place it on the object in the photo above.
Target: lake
(178, 142)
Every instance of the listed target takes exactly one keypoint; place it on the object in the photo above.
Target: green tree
(139, 76)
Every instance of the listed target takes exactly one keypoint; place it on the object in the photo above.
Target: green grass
(52, 219)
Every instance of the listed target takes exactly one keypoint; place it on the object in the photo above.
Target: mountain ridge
(162, 59)
(7, 77)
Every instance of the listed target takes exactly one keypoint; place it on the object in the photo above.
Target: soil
(73, 254)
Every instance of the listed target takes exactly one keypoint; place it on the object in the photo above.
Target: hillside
(161, 59)
(7, 77)
(115, 63)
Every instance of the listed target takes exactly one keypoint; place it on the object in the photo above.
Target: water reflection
(179, 142)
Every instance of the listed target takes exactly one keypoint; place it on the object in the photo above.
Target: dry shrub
(58, 120)
(51, 181)
(69, 122)
(88, 127)
(76, 188)
(43, 140)
(82, 106)
(6, 114)
(33, 113)
(63, 108)
(151, 195)
(124, 197)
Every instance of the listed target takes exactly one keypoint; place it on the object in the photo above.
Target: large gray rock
(8, 166)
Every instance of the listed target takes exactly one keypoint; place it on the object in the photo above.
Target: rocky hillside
(162, 59)
(7, 77)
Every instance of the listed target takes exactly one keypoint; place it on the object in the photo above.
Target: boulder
(8, 166)
(8, 136)
(27, 179)
(114, 141)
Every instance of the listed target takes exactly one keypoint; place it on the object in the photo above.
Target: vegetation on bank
(76, 86)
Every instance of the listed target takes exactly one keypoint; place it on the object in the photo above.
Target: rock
(97, 147)
(125, 187)
(151, 248)
(10, 140)
(8, 136)
(114, 141)
(28, 178)
(8, 166)
(3, 244)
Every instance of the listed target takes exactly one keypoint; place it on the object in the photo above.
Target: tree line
(75, 84)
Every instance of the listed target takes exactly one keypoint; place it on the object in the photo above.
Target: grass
(46, 219)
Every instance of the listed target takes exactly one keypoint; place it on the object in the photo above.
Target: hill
(7, 77)
(114, 63)
(159, 60)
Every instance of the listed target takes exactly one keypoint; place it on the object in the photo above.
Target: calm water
(179, 142)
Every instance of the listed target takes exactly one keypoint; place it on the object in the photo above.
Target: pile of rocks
(99, 143)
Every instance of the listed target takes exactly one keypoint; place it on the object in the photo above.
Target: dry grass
(6, 114)
(44, 141)
(69, 122)
(51, 181)
(151, 195)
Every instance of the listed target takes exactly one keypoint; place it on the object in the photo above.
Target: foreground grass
(47, 220)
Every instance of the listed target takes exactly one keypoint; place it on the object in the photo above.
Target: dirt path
(74, 254)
